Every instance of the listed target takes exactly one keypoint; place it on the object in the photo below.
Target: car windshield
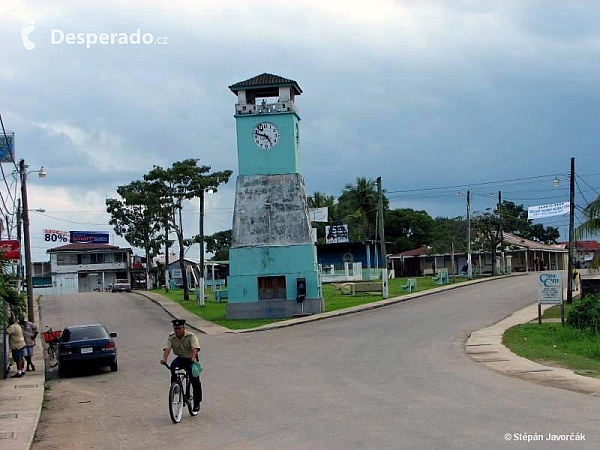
(84, 333)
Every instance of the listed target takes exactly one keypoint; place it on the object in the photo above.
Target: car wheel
(114, 367)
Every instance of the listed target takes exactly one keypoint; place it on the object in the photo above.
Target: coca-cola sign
(10, 249)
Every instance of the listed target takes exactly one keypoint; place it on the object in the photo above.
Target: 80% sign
(56, 236)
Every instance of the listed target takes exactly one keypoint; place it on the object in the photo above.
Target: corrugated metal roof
(265, 80)
(519, 241)
(584, 246)
(420, 251)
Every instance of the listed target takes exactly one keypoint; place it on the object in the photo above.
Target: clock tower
(273, 259)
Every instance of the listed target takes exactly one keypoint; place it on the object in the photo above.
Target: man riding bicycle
(186, 346)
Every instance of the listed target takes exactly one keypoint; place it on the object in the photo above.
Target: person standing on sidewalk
(16, 343)
(30, 332)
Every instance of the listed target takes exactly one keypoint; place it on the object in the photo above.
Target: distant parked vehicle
(86, 346)
(121, 286)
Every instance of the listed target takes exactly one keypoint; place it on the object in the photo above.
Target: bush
(585, 314)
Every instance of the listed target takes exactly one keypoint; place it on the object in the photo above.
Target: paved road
(392, 378)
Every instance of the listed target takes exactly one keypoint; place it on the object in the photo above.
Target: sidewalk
(21, 402)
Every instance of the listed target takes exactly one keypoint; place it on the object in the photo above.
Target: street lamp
(469, 265)
(26, 238)
(201, 250)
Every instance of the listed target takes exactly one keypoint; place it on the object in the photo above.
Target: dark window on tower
(271, 288)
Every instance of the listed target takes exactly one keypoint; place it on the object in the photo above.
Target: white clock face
(265, 135)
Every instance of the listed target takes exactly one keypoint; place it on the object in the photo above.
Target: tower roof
(263, 81)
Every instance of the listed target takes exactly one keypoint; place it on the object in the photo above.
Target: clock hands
(263, 135)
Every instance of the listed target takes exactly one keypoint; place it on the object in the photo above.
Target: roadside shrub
(585, 315)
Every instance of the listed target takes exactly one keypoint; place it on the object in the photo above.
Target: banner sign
(319, 214)
(7, 147)
(11, 249)
(550, 288)
(542, 211)
(56, 236)
(89, 237)
(336, 233)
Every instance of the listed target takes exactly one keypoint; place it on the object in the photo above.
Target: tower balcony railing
(266, 108)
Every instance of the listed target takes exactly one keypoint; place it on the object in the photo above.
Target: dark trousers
(184, 363)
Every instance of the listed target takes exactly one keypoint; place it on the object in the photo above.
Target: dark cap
(178, 323)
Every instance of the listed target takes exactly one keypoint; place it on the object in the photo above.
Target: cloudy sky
(434, 97)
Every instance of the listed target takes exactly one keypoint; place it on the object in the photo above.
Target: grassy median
(554, 345)
(334, 300)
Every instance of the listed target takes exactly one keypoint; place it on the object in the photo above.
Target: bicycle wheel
(176, 401)
(52, 355)
(190, 397)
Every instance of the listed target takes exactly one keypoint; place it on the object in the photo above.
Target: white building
(87, 267)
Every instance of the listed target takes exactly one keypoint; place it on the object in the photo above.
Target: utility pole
(384, 273)
(166, 255)
(20, 266)
(501, 233)
(571, 234)
(28, 265)
(469, 261)
(201, 231)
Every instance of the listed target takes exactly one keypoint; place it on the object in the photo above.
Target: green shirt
(183, 347)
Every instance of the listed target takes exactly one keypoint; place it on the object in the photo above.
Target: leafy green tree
(407, 229)
(184, 180)
(448, 234)
(514, 220)
(546, 235)
(136, 217)
(219, 244)
(486, 233)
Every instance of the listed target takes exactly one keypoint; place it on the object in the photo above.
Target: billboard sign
(550, 288)
(336, 233)
(11, 249)
(543, 211)
(89, 237)
(7, 147)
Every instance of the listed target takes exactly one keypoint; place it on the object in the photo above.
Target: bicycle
(180, 393)
(52, 338)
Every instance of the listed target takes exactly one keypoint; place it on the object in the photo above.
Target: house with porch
(520, 255)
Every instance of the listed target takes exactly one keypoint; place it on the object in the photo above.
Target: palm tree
(320, 200)
(590, 226)
(357, 206)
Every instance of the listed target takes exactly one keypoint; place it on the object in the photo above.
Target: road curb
(485, 346)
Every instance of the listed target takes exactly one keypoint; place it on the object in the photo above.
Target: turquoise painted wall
(249, 263)
(283, 158)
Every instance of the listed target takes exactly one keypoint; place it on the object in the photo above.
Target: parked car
(121, 286)
(85, 346)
